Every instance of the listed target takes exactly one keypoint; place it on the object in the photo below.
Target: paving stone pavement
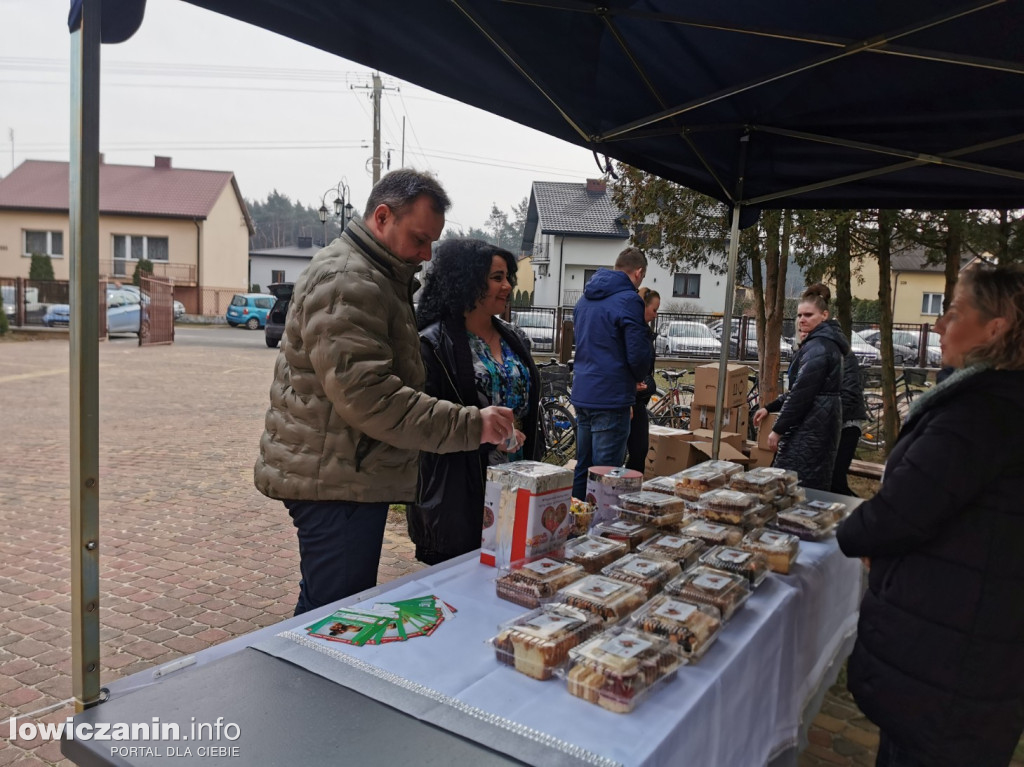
(191, 553)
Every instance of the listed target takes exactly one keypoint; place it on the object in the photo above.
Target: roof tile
(124, 189)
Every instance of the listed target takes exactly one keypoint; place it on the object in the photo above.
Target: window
(686, 286)
(135, 247)
(46, 243)
(647, 236)
(277, 275)
(587, 274)
(931, 304)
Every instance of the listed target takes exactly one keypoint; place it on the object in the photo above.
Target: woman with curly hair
(472, 358)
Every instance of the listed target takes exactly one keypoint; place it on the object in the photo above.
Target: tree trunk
(955, 223)
(844, 291)
(776, 253)
(890, 421)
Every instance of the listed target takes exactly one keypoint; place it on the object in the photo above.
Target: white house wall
(262, 267)
(582, 253)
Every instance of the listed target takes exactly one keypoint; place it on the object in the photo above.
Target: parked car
(901, 352)
(867, 355)
(274, 327)
(126, 312)
(539, 327)
(250, 310)
(750, 347)
(687, 339)
(179, 310)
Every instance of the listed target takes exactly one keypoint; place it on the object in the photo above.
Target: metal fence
(543, 325)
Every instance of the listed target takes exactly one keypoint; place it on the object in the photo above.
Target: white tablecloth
(739, 705)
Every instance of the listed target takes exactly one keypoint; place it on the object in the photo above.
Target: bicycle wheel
(903, 400)
(871, 433)
(672, 408)
(559, 433)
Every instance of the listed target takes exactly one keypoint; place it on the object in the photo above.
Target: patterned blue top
(505, 383)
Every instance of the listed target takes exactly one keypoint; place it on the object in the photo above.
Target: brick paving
(191, 553)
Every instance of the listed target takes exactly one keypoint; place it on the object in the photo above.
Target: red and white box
(526, 511)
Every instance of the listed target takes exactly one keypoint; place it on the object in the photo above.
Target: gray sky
(217, 94)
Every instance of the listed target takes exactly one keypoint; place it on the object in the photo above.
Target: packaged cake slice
(619, 667)
(683, 549)
(646, 507)
(806, 524)
(591, 552)
(607, 598)
(720, 589)
(749, 564)
(650, 573)
(630, 533)
(538, 642)
(713, 533)
(692, 483)
(691, 626)
(780, 549)
(531, 582)
(763, 486)
(728, 468)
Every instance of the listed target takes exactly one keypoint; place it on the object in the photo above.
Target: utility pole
(377, 89)
(376, 127)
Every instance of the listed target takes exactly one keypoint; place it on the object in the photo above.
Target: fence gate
(157, 313)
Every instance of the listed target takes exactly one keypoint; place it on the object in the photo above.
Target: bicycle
(557, 419)
(672, 406)
(913, 382)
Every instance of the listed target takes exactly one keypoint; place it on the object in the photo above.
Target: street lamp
(342, 207)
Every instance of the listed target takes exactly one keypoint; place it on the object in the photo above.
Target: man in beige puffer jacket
(347, 415)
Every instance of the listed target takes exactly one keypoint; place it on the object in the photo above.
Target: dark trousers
(639, 439)
(339, 548)
(848, 439)
(892, 755)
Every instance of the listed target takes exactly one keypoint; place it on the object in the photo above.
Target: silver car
(688, 339)
(539, 327)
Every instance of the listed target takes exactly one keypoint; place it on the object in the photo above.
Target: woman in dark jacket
(639, 426)
(473, 358)
(806, 434)
(939, 659)
(854, 413)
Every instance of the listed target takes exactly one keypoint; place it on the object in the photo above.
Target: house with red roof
(193, 225)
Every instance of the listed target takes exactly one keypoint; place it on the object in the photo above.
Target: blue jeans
(600, 441)
(339, 548)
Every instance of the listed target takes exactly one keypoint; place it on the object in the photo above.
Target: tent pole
(723, 360)
(84, 332)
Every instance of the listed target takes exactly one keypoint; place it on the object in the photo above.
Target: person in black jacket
(639, 426)
(939, 659)
(472, 358)
(806, 434)
(854, 413)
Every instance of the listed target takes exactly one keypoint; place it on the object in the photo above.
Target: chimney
(162, 162)
(305, 241)
(596, 186)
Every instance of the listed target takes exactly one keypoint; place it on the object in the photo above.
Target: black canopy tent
(797, 103)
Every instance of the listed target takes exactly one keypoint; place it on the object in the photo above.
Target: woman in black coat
(639, 439)
(939, 659)
(473, 358)
(806, 434)
(851, 394)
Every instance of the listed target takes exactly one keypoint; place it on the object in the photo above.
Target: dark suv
(274, 328)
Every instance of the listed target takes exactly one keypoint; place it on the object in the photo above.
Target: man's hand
(498, 425)
(760, 415)
(641, 386)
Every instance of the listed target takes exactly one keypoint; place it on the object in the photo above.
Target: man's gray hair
(400, 188)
